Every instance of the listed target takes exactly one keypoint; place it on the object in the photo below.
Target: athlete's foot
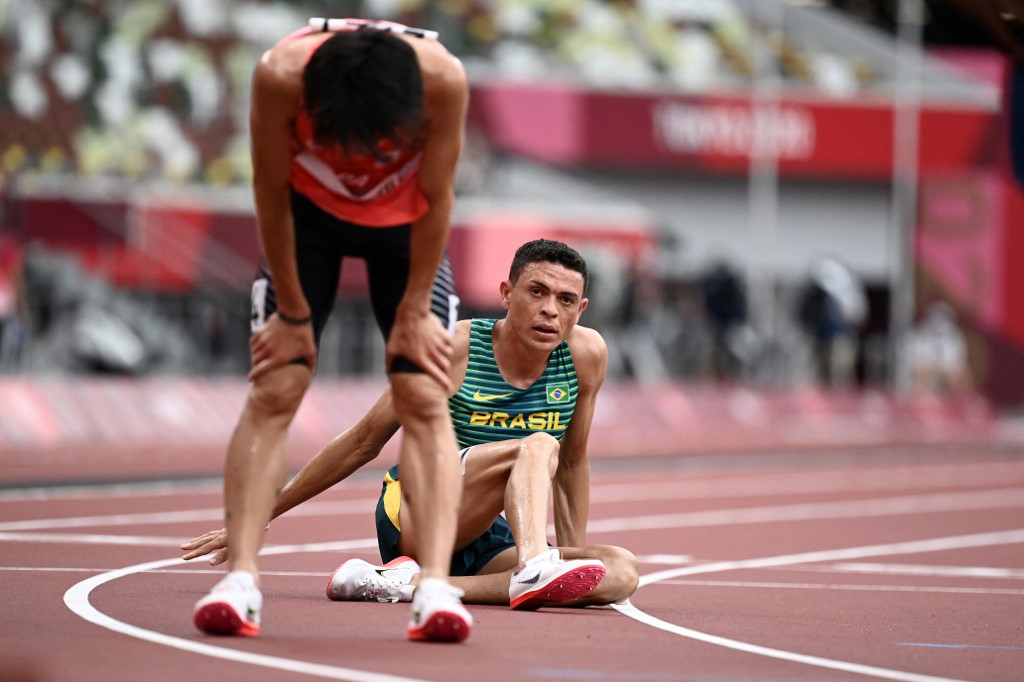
(546, 579)
(358, 580)
(232, 607)
(438, 614)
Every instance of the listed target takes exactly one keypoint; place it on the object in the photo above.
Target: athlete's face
(544, 304)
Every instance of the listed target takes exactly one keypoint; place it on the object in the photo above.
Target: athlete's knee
(543, 446)
(280, 392)
(622, 574)
(418, 397)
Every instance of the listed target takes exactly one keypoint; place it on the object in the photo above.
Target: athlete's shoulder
(281, 66)
(436, 61)
(584, 340)
(460, 336)
(444, 76)
(589, 354)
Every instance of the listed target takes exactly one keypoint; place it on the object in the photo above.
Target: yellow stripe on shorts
(392, 499)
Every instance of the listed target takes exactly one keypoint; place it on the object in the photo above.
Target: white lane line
(810, 482)
(917, 569)
(908, 504)
(363, 506)
(77, 599)
(91, 539)
(811, 511)
(910, 547)
(108, 490)
(163, 571)
(852, 587)
(817, 511)
(664, 558)
(629, 610)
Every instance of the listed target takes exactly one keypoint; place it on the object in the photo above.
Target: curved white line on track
(883, 673)
(912, 547)
(77, 599)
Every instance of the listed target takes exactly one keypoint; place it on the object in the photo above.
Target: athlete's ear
(583, 306)
(505, 289)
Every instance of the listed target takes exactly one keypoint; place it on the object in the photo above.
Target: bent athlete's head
(552, 252)
(363, 87)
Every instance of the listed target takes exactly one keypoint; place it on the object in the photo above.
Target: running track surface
(901, 563)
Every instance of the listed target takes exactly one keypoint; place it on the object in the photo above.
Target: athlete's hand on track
(278, 343)
(210, 541)
(421, 339)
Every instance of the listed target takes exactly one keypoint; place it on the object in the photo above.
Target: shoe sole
(441, 626)
(219, 618)
(573, 584)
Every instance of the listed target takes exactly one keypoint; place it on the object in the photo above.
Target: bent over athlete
(355, 137)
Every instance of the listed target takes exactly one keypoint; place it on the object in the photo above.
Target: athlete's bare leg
(512, 475)
(490, 585)
(428, 458)
(256, 463)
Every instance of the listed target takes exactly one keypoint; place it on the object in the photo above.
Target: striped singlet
(486, 409)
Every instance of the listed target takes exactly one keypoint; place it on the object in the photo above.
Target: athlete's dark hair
(552, 252)
(362, 87)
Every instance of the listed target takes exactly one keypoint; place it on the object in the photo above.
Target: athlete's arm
(416, 334)
(342, 456)
(276, 91)
(571, 485)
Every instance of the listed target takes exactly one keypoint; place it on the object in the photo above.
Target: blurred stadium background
(776, 195)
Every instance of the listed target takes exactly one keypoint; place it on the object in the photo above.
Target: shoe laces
(381, 587)
(534, 566)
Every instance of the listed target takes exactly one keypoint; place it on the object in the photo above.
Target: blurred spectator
(937, 352)
(156, 90)
(831, 310)
(78, 323)
(12, 310)
(653, 334)
(725, 302)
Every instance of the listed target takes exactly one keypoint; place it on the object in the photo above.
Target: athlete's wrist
(294, 321)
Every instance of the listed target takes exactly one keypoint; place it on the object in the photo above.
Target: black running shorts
(322, 241)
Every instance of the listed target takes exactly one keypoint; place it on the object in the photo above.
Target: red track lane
(745, 580)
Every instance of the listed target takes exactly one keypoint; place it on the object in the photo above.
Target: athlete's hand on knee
(278, 343)
(423, 341)
(209, 541)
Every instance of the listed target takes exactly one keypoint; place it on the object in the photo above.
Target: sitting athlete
(522, 413)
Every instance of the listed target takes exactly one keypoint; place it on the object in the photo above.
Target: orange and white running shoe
(546, 579)
(232, 607)
(438, 614)
(358, 580)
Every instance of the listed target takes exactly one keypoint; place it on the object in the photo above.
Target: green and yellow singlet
(486, 409)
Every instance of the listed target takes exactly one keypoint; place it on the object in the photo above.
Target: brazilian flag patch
(558, 393)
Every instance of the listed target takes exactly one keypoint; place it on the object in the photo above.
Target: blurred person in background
(937, 352)
(725, 303)
(13, 327)
(831, 310)
(356, 129)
